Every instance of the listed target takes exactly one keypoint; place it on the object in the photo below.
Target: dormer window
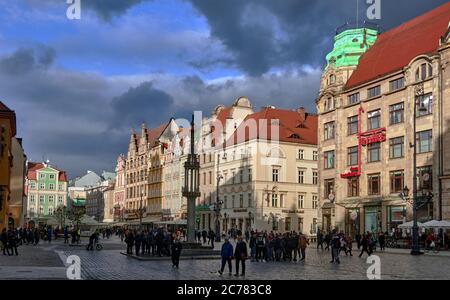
(424, 71)
(295, 136)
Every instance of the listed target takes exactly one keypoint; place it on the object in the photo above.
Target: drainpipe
(441, 140)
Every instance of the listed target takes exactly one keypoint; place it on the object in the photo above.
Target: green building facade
(46, 191)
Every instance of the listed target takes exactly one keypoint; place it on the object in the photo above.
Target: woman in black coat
(240, 254)
(176, 252)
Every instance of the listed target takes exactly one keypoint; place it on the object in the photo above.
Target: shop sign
(293, 211)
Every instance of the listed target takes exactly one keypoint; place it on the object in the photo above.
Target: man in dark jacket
(212, 237)
(12, 241)
(204, 235)
(227, 255)
(176, 252)
(240, 255)
(319, 239)
(137, 242)
(129, 240)
(259, 247)
(4, 240)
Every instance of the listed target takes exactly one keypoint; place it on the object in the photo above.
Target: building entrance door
(352, 222)
(371, 219)
(326, 221)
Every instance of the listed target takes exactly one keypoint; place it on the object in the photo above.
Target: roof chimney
(302, 113)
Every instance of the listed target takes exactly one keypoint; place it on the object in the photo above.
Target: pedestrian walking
(137, 242)
(240, 254)
(335, 247)
(349, 243)
(227, 255)
(176, 252)
(12, 242)
(319, 239)
(382, 241)
(129, 240)
(365, 245)
(4, 241)
(260, 244)
(66, 235)
(358, 240)
(302, 244)
(49, 234)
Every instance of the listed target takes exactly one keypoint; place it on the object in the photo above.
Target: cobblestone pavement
(110, 264)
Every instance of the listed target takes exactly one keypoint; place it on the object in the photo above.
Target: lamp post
(218, 204)
(225, 216)
(251, 218)
(419, 92)
(141, 211)
(191, 189)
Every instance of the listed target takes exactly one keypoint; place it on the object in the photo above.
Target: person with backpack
(335, 247)
(259, 247)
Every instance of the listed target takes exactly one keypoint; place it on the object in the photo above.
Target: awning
(437, 224)
(409, 225)
(175, 222)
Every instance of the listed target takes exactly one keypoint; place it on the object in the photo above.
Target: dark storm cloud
(263, 34)
(140, 104)
(26, 60)
(108, 9)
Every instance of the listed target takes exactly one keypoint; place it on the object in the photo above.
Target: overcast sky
(79, 86)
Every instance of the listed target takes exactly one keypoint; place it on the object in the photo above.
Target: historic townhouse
(366, 103)
(144, 191)
(18, 201)
(215, 130)
(7, 133)
(119, 189)
(46, 188)
(177, 143)
(269, 173)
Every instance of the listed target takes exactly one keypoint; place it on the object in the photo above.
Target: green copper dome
(350, 44)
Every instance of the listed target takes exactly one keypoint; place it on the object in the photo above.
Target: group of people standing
(155, 242)
(11, 239)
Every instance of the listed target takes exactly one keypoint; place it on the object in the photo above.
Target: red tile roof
(155, 133)
(293, 128)
(33, 167)
(396, 48)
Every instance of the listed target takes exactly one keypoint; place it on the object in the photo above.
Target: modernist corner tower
(369, 90)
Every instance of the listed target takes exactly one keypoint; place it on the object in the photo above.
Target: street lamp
(141, 211)
(225, 216)
(419, 92)
(251, 218)
(218, 204)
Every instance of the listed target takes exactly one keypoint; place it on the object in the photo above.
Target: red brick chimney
(302, 113)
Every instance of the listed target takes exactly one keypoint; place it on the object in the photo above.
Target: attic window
(301, 125)
(423, 72)
(332, 79)
(295, 136)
